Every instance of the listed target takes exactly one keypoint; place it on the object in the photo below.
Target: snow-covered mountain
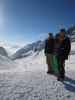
(71, 33)
(5, 61)
(33, 48)
(3, 52)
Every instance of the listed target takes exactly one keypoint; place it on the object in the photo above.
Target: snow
(10, 47)
(29, 49)
(3, 52)
(6, 64)
(73, 46)
(34, 86)
(28, 80)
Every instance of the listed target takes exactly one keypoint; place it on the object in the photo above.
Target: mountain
(5, 61)
(71, 33)
(29, 49)
(71, 30)
(3, 52)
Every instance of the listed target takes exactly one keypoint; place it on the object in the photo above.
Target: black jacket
(64, 48)
(49, 46)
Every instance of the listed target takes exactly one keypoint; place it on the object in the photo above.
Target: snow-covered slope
(3, 52)
(30, 81)
(35, 47)
(10, 48)
(71, 33)
(27, 79)
(6, 63)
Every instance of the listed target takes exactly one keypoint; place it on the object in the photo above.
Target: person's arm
(67, 46)
(45, 47)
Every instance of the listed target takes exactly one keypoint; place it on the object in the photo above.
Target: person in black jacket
(63, 53)
(49, 47)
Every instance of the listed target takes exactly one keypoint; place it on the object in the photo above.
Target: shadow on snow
(69, 84)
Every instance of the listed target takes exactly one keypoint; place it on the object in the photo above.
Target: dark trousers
(61, 68)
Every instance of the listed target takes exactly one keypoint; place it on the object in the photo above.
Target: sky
(25, 21)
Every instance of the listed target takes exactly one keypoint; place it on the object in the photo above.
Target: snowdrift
(6, 63)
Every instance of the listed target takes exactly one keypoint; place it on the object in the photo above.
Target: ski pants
(61, 67)
(49, 58)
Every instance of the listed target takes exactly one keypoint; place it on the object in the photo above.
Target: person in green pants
(55, 63)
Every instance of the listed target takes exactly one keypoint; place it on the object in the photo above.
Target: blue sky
(25, 21)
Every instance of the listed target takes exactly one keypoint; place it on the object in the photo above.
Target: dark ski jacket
(64, 48)
(49, 46)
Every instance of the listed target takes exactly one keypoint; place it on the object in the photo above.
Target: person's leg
(48, 61)
(61, 75)
(62, 71)
(51, 62)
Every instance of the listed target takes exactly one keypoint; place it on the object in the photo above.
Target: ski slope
(28, 80)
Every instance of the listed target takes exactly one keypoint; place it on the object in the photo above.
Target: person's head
(57, 37)
(50, 35)
(62, 34)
